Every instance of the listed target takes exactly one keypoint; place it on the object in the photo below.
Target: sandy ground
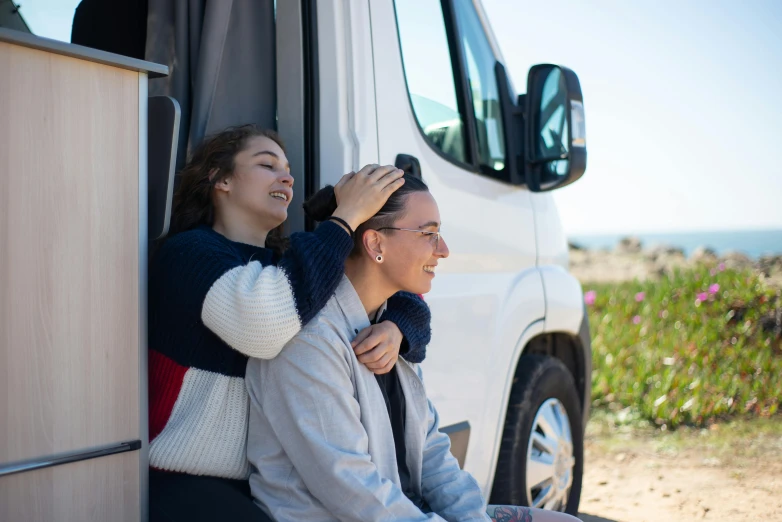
(642, 478)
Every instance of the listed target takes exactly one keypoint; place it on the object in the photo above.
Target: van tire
(539, 381)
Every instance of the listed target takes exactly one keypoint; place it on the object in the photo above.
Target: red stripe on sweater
(165, 382)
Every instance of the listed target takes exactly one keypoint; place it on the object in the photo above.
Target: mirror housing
(544, 129)
(554, 133)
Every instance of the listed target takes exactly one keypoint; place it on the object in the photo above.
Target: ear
(373, 243)
(224, 185)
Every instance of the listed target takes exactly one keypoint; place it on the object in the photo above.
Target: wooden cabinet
(73, 247)
(102, 489)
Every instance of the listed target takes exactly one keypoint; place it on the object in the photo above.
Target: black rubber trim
(585, 338)
(462, 83)
(464, 95)
(513, 123)
(68, 457)
(309, 20)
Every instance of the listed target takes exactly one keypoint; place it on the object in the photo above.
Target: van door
(438, 106)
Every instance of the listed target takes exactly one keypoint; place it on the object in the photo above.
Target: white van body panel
(564, 300)
(468, 376)
(348, 126)
(564, 295)
(552, 242)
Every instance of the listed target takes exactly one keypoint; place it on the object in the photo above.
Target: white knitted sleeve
(252, 308)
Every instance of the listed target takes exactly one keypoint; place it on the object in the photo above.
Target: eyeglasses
(436, 235)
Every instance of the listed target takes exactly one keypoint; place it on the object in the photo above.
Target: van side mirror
(554, 132)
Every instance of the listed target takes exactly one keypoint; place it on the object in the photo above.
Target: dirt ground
(731, 472)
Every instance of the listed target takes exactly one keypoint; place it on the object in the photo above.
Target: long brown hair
(212, 162)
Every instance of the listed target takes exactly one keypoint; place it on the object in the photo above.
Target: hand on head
(362, 194)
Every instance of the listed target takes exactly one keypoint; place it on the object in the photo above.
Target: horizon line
(665, 232)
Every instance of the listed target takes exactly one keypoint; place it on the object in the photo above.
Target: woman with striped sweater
(221, 290)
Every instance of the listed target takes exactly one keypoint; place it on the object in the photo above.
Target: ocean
(754, 243)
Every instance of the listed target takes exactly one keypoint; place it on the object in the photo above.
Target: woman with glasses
(222, 290)
(328, 439)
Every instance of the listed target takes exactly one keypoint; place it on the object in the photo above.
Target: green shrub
(699, 345)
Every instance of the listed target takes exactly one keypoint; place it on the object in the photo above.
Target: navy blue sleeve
(314, 264)
(414, 319)
(184, 269)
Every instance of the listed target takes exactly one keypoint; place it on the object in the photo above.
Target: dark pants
(176, 496)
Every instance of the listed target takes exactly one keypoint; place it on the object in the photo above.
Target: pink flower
(640, 297)
(721, 267)
(637, 319)
(701, 297)
(713, 289)
(589, 297)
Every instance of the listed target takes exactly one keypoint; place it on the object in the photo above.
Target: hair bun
(322, 204)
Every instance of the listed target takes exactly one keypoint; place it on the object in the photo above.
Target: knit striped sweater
(213, 303)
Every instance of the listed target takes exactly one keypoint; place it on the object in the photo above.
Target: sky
(683, 118)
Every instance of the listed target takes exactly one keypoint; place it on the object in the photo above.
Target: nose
(286, 179)
(442, 249)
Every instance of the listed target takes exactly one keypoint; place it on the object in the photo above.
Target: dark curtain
(222, 59)
(220, 53)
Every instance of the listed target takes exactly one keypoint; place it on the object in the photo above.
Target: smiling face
(410, 258)
(261, 187)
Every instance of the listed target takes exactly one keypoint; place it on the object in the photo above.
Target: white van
(418, 83)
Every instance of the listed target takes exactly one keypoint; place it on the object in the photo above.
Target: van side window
(426, 56)
(480, 61)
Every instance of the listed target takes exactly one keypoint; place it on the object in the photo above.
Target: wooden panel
(94, 490)
(69, 283)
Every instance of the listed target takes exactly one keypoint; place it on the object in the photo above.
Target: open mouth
(430, 268)
(279, 195)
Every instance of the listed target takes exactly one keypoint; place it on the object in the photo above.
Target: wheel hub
(550, 460)
(563, 467)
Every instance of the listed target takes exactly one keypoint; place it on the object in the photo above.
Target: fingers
(360, 197)
(376, 173)
(368, 169)
(378, 353)
(375, 353)
(344, 179)
(394, 186)
(357, 345)
(388, 178)
(381, 172)
(384, 365)
(382, 362)
(377, 347)
(391, 177)
(385, 369)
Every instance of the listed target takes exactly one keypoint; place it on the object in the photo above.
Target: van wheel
(542, 453)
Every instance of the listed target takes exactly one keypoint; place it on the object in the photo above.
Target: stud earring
(379, 258)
